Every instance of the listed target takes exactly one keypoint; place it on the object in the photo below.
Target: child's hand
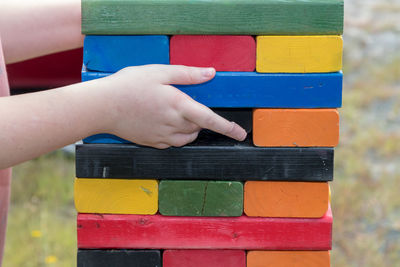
(144, 108)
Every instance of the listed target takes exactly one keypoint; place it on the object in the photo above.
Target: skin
(137, 103)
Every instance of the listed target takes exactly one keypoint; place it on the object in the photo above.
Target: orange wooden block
(296, 127)
(286, 199)
(288, 258)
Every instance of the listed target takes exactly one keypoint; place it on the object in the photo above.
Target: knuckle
(211, 122)
(195, 128)
(161, 146)
(178, 142)
(178, 102)
(231, 128)
(193, 137)
(188, 75)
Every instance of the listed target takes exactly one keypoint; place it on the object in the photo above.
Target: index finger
(206, 118)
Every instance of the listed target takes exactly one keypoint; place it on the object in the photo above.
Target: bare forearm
(34, 124)
(32, 28)
(137, 104)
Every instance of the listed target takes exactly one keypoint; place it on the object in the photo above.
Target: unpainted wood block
(256, 17)
(119, 258)
(223, 52)
(202, 258)
(116, 196)
(296, 127)
(201, 198)
(113, 53)
(286, 199)
(165, 232)
(299, 54)
(262, 90)
(288, 258)
(227, 160)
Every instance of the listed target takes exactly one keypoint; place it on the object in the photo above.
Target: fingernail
(244, 135)
(207, 73)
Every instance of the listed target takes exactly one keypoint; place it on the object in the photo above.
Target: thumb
(183, 75)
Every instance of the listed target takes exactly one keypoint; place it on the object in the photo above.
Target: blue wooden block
(262, 90)
(104, 139)
(113, 53)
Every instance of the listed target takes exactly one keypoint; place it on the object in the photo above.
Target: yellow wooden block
(116, 196)
(299, 54)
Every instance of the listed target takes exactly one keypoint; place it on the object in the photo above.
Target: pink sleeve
(5, 175)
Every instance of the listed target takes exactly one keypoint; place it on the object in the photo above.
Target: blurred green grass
(42, 218)
(365, 198)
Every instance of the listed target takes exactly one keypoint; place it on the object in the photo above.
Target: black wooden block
(221, 159)
(119, 258)
(242, 116)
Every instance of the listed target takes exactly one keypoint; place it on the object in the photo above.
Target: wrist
(104, 107)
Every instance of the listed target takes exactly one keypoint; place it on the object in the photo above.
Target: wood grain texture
(119, 258)
(243, 117)
(113, 53)
(296, 127)
(256, 17)
(202, 258)
(223, 52)
(210, 161)
(288, 258)
(116, 196)
(255, 90)
(156, 231)
(201, 198)
(286, 199)
(299, 54)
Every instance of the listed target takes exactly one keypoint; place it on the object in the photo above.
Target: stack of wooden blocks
(217, 202)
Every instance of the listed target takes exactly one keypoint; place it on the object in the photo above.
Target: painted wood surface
(288, 258)
(119, 258)
(223, 52)
(256, 17)
(286, 199)
(299, 54)
(157, 231)
(296, 127)
(255, 90)
(204, 258)
(116, 196)
(243, 117)
(209, 161)
(201, 198)
(104, 139)
(113, 53)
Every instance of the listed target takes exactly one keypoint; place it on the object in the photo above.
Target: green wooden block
(200, 198)
(256, 17)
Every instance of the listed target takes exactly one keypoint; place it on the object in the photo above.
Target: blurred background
(366, 187)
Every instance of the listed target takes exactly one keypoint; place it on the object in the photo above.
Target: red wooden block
(201, 258)
(223, 52)
(45, 72)
(163, 232)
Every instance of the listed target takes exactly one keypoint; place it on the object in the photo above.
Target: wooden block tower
(217, 202)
